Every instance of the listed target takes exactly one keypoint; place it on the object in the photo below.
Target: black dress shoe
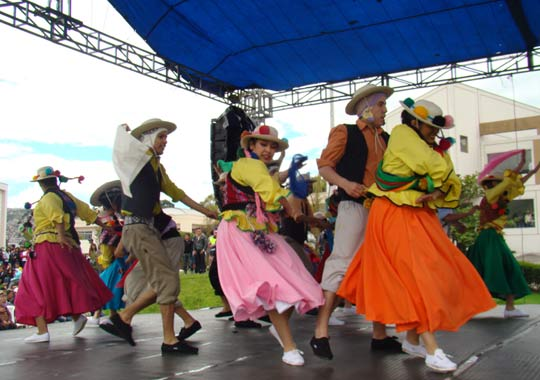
(321, 347)
(121, 329)
(247, 324)
(187, 332)
(388, 344)
(179, 348)
(222, 314)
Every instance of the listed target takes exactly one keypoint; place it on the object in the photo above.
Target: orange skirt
(407, 272)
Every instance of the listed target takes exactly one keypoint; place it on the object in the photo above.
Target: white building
(487, 124)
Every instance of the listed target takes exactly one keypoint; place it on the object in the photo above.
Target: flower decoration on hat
(421, 112)
(444, 145)
(428, 112)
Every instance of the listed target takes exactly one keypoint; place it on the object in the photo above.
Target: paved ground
(486, 348)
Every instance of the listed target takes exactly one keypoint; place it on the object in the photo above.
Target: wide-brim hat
(428, 112)
(264, 132)
(363, 92)
(108, 187)
(45, 172)
(152, 124)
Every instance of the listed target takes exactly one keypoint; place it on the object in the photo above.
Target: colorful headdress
(428, 112)
(48, 172)
(498, 164)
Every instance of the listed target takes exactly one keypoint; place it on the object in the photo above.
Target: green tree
(210, 203)
(471, 192)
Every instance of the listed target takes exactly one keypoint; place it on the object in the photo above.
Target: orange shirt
(337, 141)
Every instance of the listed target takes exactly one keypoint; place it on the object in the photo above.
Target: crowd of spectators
(12, 260)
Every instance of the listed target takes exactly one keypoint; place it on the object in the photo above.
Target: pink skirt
(58, 281)
(254, 281)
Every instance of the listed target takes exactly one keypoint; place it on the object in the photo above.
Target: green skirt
(497, 266)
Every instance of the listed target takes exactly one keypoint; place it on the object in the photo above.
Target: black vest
(352, 165)
(145, 190)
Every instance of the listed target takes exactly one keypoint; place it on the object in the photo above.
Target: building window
(464, 144)
(521, 214)
(512, 162)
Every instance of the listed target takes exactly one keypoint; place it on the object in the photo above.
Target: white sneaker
(275, 334)
(37, 338)
(293, 357)
(105, 321)
(516, 313)
(333, 321)
(439, 362)
(413, 349)
(78, 325)
(93, 321)
(348, 311)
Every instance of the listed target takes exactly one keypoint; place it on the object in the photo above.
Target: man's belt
(134, 219)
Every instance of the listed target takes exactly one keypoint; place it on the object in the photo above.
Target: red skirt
(58, 281)
(407, 272)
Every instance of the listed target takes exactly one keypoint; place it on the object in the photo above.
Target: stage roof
(282, 44)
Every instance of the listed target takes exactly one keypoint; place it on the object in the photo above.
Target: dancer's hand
(430, 196)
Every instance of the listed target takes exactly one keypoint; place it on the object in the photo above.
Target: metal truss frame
(419, 78)
(69, 32)
(64, 30)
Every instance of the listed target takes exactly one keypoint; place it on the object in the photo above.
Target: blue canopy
(281, 44)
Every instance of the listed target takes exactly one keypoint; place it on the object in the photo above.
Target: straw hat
(152, 124)
(44, 173)
(107, 188)
(264, 132)
(428, 112)
(363, 92)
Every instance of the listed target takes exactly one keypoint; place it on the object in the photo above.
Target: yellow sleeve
(511, 184)
(169, 188)
(253, 173)
(417, 155)
(451, 186)
(83, 210)
(407, 154)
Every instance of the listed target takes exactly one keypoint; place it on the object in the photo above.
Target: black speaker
(225, 132)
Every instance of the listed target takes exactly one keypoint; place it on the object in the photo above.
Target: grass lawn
(195, 293)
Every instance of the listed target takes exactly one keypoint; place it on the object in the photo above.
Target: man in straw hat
(349, 161)
(136, 161)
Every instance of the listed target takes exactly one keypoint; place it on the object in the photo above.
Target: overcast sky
(61, 108)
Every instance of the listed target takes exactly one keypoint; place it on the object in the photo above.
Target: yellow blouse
(49, 212)
(406, 155)
(510, 188)
(254, 173)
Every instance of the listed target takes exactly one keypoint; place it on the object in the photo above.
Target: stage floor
(487, 348)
